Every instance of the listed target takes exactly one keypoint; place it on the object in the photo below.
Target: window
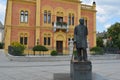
(23, 39)
(24, 16)
(47, 17)
(47, 39)
(85, 21)
(71, 19)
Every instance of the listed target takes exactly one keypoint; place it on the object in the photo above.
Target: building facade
(47, 22)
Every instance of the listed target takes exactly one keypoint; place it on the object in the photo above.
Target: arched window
(22, 16)
(26, 16)
(24, 38)
(49, 17)
(45, 16)
(85, 21)
(47, 39)
(71, 19)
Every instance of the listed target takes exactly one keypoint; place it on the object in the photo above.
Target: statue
(80, 40)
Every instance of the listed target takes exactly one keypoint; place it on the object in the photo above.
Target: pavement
(54, 70)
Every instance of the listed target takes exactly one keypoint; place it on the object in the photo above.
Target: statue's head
(81, 20)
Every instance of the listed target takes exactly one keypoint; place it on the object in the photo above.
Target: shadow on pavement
(66, 76)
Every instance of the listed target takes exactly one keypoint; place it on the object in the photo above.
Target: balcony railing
(60, 25)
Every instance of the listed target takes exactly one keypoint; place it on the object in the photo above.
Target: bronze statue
(80, 40)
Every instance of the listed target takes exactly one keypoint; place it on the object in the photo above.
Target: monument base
(81, 70)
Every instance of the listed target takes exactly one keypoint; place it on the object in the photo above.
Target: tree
(114, 33)
(99, 42)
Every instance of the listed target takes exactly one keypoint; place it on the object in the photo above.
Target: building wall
(90, 19)
(18, 27)
(36, 29)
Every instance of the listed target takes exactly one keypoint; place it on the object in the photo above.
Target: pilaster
(94, 6)
(37, 32)
(8, 22)
(79, 12)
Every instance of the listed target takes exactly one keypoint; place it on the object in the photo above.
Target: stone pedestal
(81, 70)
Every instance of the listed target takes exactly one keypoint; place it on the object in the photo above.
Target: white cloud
(107, 13)
(2, 11)
(107, 26)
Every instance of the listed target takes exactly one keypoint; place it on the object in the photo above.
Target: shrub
(97, 51)
(54, 53)
(1, 45)
(17, 49)
(39, 48)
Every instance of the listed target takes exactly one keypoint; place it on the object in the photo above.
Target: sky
(108, 12)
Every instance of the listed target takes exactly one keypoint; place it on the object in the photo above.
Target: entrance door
(59, 46)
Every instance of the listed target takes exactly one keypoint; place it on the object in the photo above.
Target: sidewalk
(12, 70)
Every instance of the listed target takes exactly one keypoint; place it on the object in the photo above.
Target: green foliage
(64, 23)
(1, 45)
(58, 23)
(54, 53)
(114, 33)
(97, 51)
(39, 48)
(17, 49)
(99, 42)
(61, 23)
(75, 53)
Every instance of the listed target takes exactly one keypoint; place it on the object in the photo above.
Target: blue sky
(108, 12)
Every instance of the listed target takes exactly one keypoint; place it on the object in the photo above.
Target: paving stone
(11, 70)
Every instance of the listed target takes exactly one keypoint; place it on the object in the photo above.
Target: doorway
(59, 47)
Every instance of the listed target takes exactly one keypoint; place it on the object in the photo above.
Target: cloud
(107, 26)
(107, 13)
(2, 11)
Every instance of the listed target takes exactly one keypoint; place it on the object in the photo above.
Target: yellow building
(47, 22)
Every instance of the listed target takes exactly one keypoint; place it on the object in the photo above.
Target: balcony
(60, 26)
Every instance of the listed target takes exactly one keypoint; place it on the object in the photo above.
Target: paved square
(11, 70)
